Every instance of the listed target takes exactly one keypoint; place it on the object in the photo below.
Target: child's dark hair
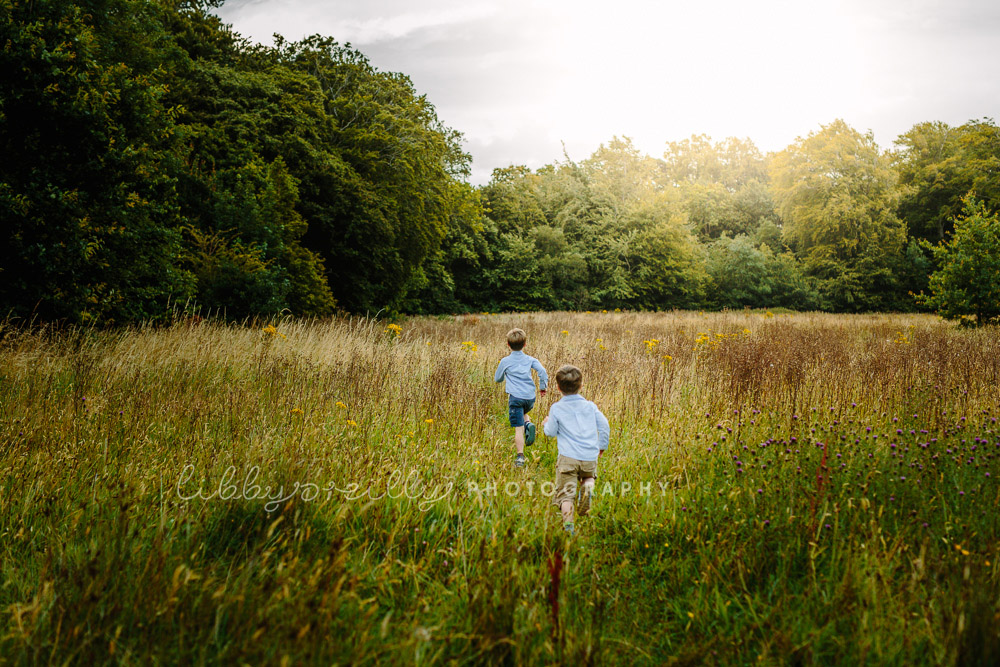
(569, 378)
(516, 338)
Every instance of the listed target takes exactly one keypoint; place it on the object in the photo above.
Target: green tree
(620, 177)
(747, 275)
(790, 286)
(938, 166)
(308, 291)
(379, 204)
(450, 279)
(739, 274)
(966, 286)
(666, 262)
(91, 227)
(511, 199)
(732, 163)
(836, 194)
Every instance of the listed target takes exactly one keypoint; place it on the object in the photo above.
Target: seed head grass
(779, 488)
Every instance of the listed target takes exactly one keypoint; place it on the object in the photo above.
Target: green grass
(747, 549)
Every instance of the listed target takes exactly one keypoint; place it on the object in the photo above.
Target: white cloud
(518, 76)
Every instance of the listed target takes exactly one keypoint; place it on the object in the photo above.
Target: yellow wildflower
(297, 411)
(272, 332)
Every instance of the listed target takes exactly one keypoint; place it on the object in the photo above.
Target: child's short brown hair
(569, 378)
(516, 338)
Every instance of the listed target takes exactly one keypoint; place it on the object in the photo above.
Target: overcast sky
(520, 77)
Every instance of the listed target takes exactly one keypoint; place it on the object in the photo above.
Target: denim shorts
(517, 408)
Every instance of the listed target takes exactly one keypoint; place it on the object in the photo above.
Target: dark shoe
(519, 461)
(529, 434)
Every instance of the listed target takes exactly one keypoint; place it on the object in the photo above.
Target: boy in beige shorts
(582, 433)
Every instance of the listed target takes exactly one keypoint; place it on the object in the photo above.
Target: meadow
(779, 489)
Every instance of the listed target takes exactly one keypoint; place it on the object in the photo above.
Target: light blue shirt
(516, 368)
(580, 428)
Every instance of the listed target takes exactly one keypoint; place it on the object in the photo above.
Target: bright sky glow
(518, 77)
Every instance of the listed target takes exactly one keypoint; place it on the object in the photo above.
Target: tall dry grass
(787, 488)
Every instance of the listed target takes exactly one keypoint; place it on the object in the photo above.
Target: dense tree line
(832, 222)
(154, 159)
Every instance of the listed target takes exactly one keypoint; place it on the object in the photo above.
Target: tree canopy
(155, 160)
(966, 287)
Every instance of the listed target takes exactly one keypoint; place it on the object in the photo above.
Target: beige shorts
(570, 473)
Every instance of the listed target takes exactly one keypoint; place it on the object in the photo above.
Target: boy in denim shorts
(582, 433)
(516, 369)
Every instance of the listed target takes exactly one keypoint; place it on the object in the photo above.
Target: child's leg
(529, 427)
(586, 494)
(515, 410)
(567, 506)
(567, 511)
(565, 487)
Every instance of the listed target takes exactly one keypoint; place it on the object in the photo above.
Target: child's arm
(603, 431)
(550, 425)
(543, 377)
(501, 368)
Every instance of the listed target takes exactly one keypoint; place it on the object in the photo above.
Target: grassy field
(779, 489)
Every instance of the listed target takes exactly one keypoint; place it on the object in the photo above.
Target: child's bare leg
(586, 495)
(519, 439)
(567, 511)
